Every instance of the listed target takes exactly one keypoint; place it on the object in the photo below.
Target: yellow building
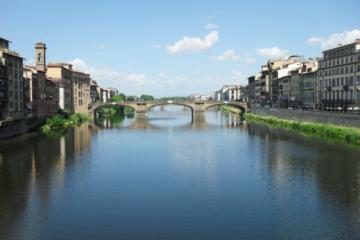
(81, 91)
(61, 73)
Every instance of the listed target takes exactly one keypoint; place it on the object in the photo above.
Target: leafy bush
(62, 121)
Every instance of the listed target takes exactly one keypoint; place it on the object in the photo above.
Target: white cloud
(194, 44)
(238, 77)
(211, 26)
(249, 60)
(156, 46)
(336, 38)
(160, 84)
(137, 78)
(81, 65)
(315, 40)
(139, 83)
(108, 77)
(229, 55)
(274, 52)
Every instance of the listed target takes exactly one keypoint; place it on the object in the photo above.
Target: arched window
(39, 58)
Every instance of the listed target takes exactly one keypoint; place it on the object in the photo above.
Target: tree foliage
(117, 99)
(145, 97)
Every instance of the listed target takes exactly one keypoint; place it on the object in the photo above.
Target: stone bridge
(197, 107)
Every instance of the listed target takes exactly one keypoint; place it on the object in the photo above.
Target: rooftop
(357, 41)
(5, 40)
(10, 52)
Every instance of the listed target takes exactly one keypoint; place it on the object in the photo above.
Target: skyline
(167, 50)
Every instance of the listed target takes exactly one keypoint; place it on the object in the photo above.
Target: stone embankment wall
(334, 118)
(18, 127)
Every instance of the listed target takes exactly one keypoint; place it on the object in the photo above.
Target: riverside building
(11, 83)
(339, 77)
(81, 91)
(40, 98)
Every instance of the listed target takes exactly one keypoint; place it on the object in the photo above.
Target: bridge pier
(141, 114)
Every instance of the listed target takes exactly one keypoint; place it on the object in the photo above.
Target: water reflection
(170, 117)
(173, 177)
(32, 171)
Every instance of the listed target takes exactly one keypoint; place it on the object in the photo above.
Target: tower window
(39, 58)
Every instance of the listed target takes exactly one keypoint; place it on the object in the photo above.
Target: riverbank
(326, 131)
(323, 130)
(230, 109)
(18, 127)
(351, 120)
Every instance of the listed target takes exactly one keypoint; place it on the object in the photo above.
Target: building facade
(308, 86)
(112, 92)
(51, 97)
(81, 91)
(94, 96)
(12, 105)
(61, 74)
(339, 77)
(228, 93)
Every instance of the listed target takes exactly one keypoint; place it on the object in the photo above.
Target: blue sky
(141, 46)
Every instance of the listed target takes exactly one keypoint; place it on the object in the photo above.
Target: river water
(171, 177)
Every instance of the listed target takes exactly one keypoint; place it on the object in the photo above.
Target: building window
(39, 58)
(351, 81)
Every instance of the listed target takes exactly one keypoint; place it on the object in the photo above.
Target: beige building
(112, 92)
(339, 77)
(11, 83)
(61, 73)
(74, 87)
(81, 91)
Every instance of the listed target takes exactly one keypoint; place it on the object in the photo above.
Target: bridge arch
(173, 103)
(96, 108)
(236, 105)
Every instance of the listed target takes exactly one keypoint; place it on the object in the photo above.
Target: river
(171, 177)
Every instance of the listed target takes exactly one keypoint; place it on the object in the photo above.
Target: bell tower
(40, 52)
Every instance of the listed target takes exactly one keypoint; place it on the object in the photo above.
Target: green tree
(145, 97)
(122, 95)
(117, 99)
(130, 98)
